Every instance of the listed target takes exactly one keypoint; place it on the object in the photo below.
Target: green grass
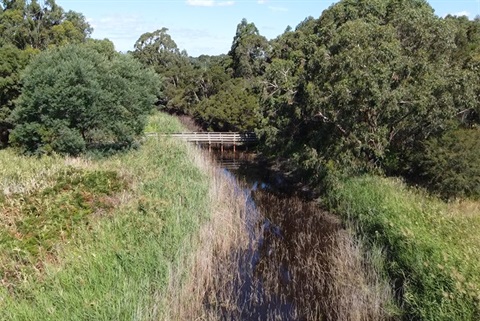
(433, 248)
(35, 223)
(95, 240)
(158, 123)
(20, 174)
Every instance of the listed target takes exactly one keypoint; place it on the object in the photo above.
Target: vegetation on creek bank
(99, 239)
(431, 247)
(158, 233)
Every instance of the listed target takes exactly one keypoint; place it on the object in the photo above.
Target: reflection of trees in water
(301, 264)
(280, 277)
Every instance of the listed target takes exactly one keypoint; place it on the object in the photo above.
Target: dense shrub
(451, 165)
(76, 98)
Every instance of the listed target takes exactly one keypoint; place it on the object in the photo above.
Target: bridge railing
(235, 138)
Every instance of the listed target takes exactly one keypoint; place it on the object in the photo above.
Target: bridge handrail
(211, 137)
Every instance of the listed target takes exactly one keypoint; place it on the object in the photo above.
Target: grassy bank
(110, 239)
(432, 248)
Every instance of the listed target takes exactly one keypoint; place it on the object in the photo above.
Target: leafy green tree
(284, 76)
(26, 27)
(233, 108)
(373, 81)
(213, 72)
(159, 51)
(203, 86)
(465, 86)
(449, 164)
(104, 47)
(12, 62)
(74, 98)
(29, 24)
(249, 51)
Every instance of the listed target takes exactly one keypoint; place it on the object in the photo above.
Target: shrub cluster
(76, 98)
(450, 164)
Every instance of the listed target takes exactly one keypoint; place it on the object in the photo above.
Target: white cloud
(462, 13)
(278, 9)
(123, 30)
(262, 1)
(226, 3)
(209, 3)
(201, 3)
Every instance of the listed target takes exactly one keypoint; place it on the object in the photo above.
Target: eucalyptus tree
(26, 28)
(249, 51)
(365, 83)
(31, 24)
(76, 98)
(158, 50)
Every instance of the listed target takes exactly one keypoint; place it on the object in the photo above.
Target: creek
(283, 274)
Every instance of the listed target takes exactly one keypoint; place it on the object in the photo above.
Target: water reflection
(281, 274)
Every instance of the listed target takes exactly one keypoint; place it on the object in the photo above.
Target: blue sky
(208, 26)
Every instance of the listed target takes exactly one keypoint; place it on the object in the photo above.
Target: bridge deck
(233, 138)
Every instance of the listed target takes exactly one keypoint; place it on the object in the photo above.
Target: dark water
(282, 275)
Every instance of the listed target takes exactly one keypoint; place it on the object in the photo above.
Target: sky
(208, 26)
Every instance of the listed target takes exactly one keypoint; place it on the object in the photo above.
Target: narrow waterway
(283, 275)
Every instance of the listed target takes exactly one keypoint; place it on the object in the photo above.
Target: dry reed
(194, 279)
(287, 260)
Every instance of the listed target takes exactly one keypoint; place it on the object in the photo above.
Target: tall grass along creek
(160, 233)
(431, 247)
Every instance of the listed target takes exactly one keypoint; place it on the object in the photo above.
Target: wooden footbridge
(213, 138)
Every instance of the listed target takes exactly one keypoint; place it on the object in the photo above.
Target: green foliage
(213, 72)
(450, 163)
(26, 27)
(27, 24)
(233, 108)
(41, 219)
(249, 51)
(366, 84)
(12, 62)
(74, 97)
(116, 262)
(432, 248)
(69, 142)
(31, 137)
(159, 51)
(203, 87)
(104, 47)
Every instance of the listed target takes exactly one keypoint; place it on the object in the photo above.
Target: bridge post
(209, 142)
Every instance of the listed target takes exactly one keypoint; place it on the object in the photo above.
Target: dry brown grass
(356, 290)
(195, 279)
(331, 276)
(464, 208)
(301, 265)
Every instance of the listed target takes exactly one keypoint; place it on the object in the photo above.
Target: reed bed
(161, 233)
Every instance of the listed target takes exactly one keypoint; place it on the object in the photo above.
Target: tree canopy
(75, 98)
(31, 24)
(26, 28)
(366, 84)
(365, 87)
(158, 50)
(249, 51)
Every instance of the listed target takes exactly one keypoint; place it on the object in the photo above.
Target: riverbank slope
(431, 247)
(113, 238)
